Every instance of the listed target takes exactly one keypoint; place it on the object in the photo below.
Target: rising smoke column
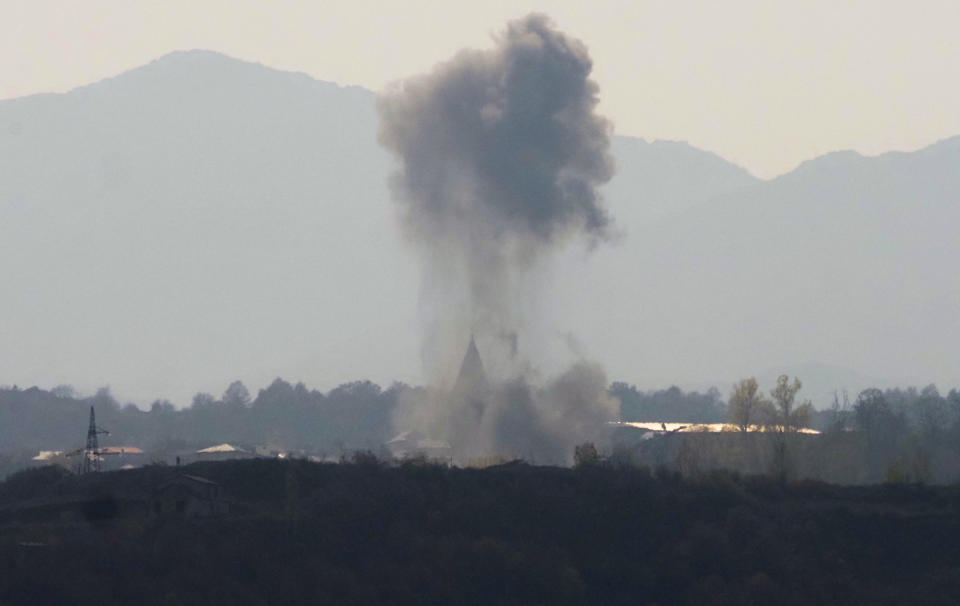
(501, 156)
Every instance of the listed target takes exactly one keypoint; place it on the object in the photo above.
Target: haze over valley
(202, 219)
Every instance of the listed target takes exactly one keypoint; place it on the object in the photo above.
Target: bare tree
(585, 454)
(746, 404)
(786, 419)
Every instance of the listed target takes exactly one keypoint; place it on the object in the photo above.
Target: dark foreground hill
(367, 533)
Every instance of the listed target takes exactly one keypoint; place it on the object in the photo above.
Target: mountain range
(201, 219)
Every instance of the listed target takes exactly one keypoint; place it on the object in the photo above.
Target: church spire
(472, 376)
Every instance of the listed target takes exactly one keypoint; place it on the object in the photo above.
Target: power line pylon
(91, 455)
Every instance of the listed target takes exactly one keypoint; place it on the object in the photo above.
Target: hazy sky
(764, 83)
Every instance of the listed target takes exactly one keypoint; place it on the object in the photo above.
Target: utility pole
(91, 455)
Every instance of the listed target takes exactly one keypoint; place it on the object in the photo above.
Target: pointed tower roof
(472, 377)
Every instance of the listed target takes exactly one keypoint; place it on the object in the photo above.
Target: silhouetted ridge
(848, 159)
(205, 69)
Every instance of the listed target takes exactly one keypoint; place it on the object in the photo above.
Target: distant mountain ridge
(201, 218)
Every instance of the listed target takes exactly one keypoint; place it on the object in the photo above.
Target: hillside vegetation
(365, 532)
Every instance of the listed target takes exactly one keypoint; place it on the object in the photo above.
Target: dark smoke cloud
(506, 138)
(501, 156)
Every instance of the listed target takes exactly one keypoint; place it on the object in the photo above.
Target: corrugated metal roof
(659, 427)
(46, 455)
(400, 437)
(220, 448)
(119, 450)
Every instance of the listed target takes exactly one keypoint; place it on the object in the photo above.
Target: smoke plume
(501, 156)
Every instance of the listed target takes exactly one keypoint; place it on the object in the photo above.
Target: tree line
(352, 416)
(880, 435)
(893, 435)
